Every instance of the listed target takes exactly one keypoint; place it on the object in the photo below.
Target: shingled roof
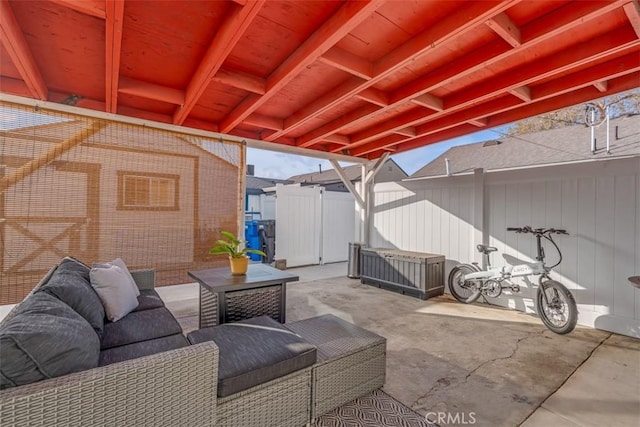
(391, 171)
(255, 184)
(568, 144)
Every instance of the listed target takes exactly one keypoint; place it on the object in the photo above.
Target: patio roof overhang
(356, 78)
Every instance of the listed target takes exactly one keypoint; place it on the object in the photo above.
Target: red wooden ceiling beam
(632, 10)
(114, 10)
(548, 26)
(621, 84)
(585, 94)
(429, 101)
(259, 120)
(348, 17)
(344, 120)
(560, 62)
(502, 25)
(455, 24)
(444, 135)
(462, 20)
(408, 131)
(552, 89)
(522, 92)
(482, 122)
(598, 47)
(374, 96)
(601, 86)
(14, 86)
(88, 7)
(338, 139)
(595, 75)
(503, 103)
(240, 80)
(346, 61)
(18, 49)
(232, 29)
(151, 91)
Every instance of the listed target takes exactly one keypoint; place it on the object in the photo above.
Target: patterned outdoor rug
(376, 409)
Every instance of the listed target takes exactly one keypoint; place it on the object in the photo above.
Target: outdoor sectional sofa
(144, 371)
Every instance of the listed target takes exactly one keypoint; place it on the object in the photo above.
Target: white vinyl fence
(313, 226)
(597, 202)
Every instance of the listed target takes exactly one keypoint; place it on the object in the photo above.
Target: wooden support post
(347, 183)
(50, 155)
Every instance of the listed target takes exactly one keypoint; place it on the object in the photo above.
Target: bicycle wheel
(558, 311)
(464, 291)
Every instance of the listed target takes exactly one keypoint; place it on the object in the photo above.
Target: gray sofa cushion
(46, 338)
(70, 284)
(149, 299)
(254, 351)
(139, 326)
(140, 349)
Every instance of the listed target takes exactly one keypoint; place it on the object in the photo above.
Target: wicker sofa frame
(179, 387)
(176, 387)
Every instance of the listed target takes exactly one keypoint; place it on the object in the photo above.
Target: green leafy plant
(230, 245)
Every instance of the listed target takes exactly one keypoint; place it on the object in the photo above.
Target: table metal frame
(226, 298)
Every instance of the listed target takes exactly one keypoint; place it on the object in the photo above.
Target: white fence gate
(313, 226)
(338, 226)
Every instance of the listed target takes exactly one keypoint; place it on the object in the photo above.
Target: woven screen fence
(96, 190)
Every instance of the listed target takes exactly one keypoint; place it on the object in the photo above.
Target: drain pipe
(606, 111)
(593, 131)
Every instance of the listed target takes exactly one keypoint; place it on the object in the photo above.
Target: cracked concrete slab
(605, 388)
(493, 364)
(486, 364)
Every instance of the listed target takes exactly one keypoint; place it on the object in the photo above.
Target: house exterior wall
(390, 172)
(597, 202)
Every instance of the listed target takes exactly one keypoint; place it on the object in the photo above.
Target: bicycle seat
(484, 249)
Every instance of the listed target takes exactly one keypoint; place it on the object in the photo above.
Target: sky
(271, 164)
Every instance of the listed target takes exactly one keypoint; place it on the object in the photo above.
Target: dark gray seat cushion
(254, 351)
(70, 284)
(139, 326)
(140, 349)
(45, 339)
(148, 299)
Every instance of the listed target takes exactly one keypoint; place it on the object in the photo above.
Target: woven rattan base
(351, 361)
(282, 402)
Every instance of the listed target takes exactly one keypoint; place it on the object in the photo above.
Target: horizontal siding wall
(597, 202)
(433, 217)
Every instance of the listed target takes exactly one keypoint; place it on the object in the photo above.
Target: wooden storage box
(412, 273)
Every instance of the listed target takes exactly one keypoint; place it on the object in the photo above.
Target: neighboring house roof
(568, 144)
(391, 171)
(255, 184)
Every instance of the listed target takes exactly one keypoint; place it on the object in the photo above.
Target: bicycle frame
(507, 272)
(519, 270)
(555, 303)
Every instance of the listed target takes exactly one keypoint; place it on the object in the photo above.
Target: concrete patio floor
(470, 364)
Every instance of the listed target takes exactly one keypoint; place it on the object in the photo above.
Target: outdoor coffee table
(226, 298)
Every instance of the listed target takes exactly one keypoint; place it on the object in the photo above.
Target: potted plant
(238, 258)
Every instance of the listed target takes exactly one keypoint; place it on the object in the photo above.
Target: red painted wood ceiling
(355, 77)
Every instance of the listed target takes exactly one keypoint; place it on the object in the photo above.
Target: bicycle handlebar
(540, 231)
